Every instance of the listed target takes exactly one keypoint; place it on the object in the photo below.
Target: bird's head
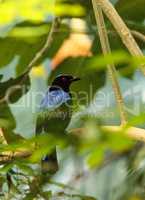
(63, 82)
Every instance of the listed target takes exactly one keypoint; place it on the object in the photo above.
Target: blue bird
(55, 114)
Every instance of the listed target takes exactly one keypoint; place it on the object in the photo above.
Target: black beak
(75, 79)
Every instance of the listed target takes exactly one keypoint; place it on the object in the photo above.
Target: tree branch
(138, 35)
(111, 68)
(8, 157)
(121, 28)
(38, 55)
(46, 45)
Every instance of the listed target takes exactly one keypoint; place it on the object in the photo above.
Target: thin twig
(38, 55)
(121, 28)
(138, 35)
(111, 68)
(46, 45)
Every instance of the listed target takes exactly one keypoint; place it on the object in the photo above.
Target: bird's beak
(75, 79)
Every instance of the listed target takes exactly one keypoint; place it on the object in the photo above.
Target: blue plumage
(54, 115)
(54, 99)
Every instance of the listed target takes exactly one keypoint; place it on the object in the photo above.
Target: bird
(54, 115)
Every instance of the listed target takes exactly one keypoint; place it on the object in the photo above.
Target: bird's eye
(63, 78)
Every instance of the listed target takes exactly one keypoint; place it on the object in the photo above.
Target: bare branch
(46, 45)
(138, 35)
(121, 28)
(8, 157)
(111, 68)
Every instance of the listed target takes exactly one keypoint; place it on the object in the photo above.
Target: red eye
(63, 78)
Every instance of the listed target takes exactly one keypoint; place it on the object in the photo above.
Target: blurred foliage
(127, 9)
(93, 164)
(35, 10)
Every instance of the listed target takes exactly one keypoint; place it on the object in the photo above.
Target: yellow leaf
(38, 71)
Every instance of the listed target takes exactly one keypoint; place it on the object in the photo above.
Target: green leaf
(96, 156)
(25, 40)
(119, 142)
(7, 120)
(21, 49)
(25, 168)
(136, 120)
(99, 62)
(10, 92)
(5, 169)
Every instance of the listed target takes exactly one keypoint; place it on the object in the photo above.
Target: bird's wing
(53, 110)
(54, 99)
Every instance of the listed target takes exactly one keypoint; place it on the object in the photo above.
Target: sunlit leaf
(96, 156)
(35, 10)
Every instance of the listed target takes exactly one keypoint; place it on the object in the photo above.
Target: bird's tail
(49, 163)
